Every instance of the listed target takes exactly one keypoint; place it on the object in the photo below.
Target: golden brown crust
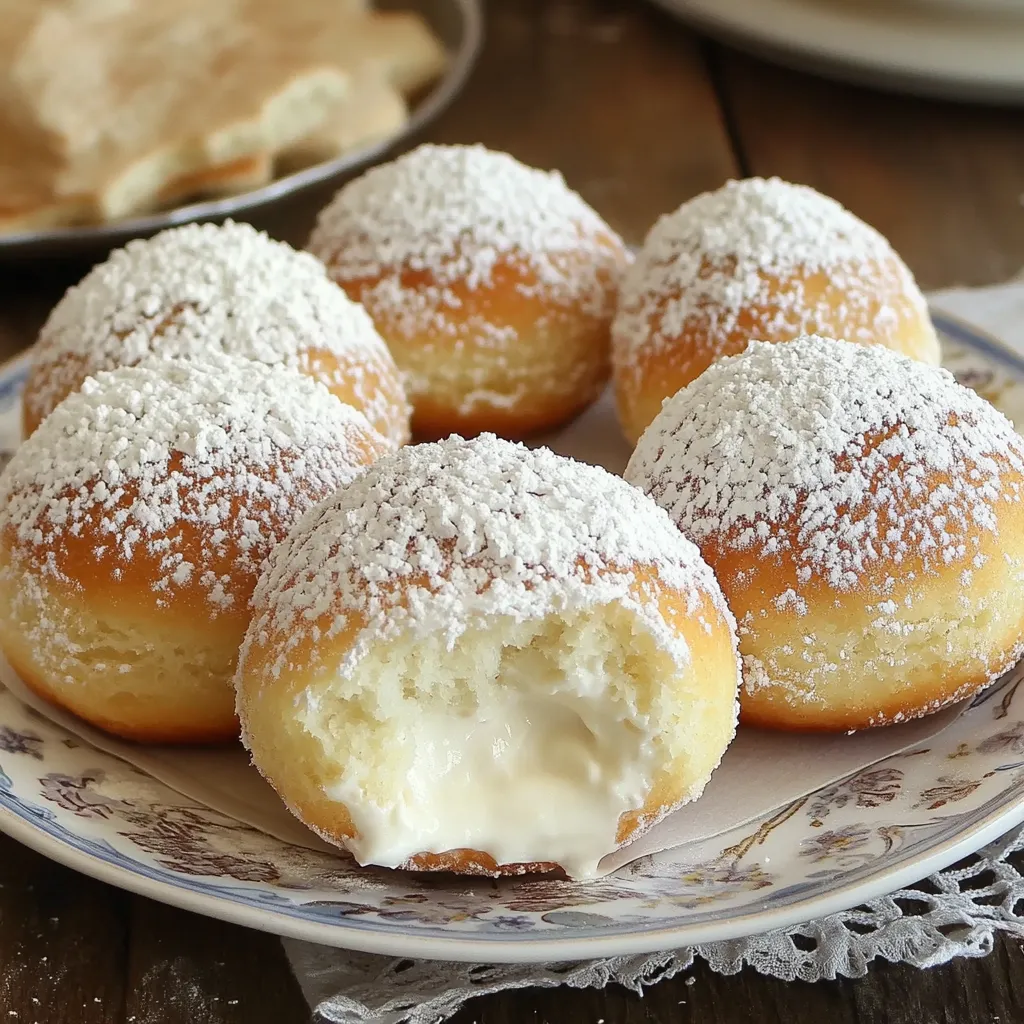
(509, 357)
(241, 175)
(376, 377)
(88, 558)
(33, 408)
(195, 733)
(474, 862)
(109, 664)
(644, 378)
(64, 601)
(936, 669)
(919, 698)
(339, 373)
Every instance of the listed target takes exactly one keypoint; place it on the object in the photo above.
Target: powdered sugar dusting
(206, 288)
(846, 457)
(235, 448)
(720, 256)
(474, 529)
(456, 213)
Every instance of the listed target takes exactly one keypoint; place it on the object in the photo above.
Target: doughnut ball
(763, 260)
(133, 525)
(202, 289)
(492, 283)
(864, 514)
(484, 659)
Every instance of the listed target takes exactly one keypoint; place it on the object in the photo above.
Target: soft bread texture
(388, 55)
(241, 175)
(305, 751)
(296, 106)
(205, 289)
(566, 646)
(109, 110)
(134, 96)
(373, 111)
(756, 260)
(864, 514)
(397, 46)
(492, 283)
(133, 525)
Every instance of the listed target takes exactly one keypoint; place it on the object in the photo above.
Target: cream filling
(535, 773)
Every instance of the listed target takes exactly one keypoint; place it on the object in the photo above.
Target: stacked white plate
(955, 49)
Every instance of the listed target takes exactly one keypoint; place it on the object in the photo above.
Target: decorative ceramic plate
(955, 49)
(457, 23)
(882, 828)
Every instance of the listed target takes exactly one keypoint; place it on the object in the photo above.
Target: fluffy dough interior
(528, 740)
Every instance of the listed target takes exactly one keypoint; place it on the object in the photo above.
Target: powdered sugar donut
(485, 659)
(133, 524)
(202, 289)
(757, 259)
(864, 514)
(492, 283)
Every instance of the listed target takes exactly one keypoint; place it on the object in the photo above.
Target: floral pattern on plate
(834, 848)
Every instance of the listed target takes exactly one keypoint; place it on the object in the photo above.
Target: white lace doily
(952, 914)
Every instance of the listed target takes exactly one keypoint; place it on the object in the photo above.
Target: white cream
(539, 772)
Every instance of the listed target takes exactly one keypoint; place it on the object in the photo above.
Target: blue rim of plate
(264, 910)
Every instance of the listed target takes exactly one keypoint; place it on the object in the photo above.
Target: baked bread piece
(485, 659)
(136, 95)
(133, 525)
(206, 289)
(398, 45)
(241, 175)
(756, 259)
(493, 284)
(373, 111)
(864, 514)
(115, 108)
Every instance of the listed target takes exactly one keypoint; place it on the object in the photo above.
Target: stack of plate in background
(956, 49)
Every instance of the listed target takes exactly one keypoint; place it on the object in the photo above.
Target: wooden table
(639, 114)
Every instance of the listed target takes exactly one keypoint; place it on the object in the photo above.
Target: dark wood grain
(623, 101)
(63, 943)
(988, 991)
(613, 94)
(944, 182)
(184, 970)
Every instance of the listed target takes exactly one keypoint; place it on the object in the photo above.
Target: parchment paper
(760, 772)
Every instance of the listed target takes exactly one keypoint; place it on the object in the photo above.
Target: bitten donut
(489, 660)
(133, 524)
(756, 260)
(202, 289)
(864, 515)
(492, 283)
